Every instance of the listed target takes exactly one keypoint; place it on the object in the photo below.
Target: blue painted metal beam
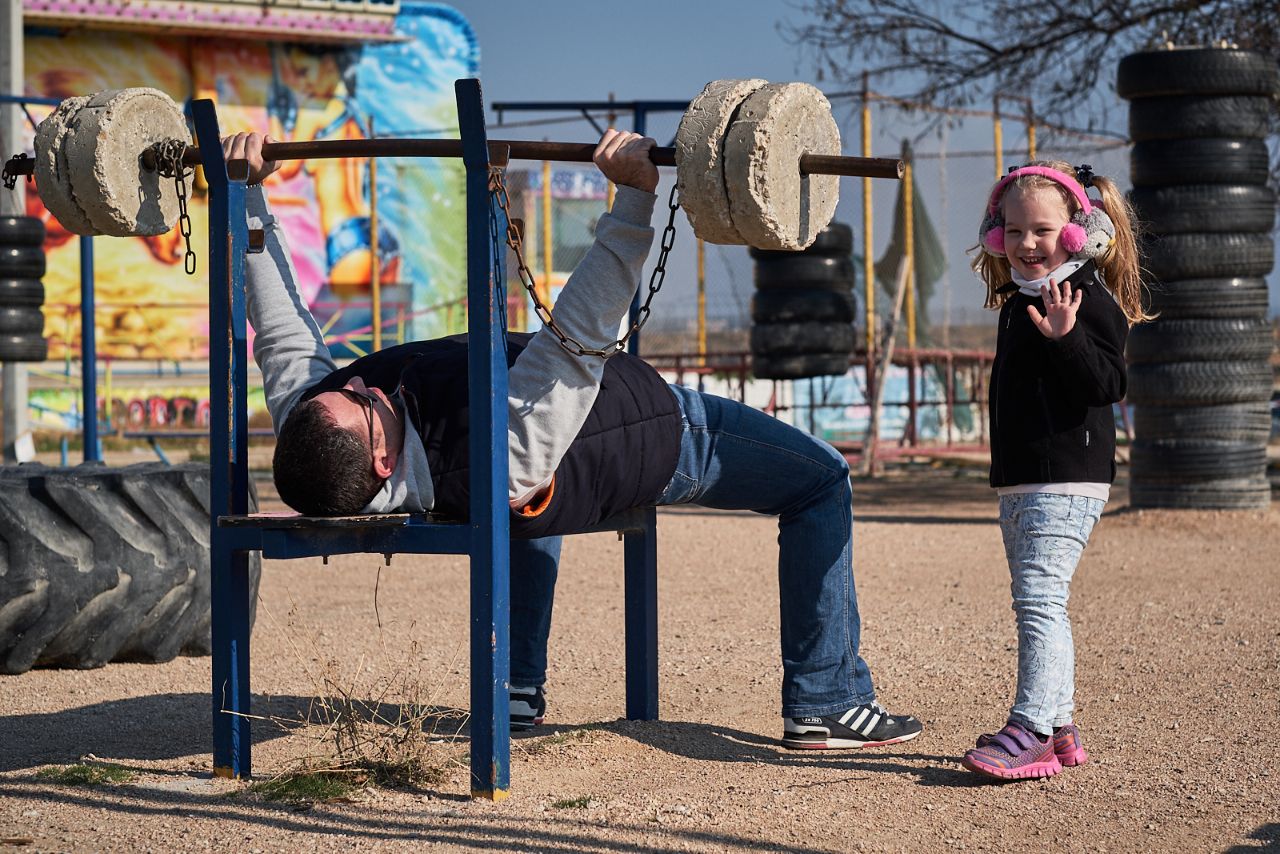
(228, 458)
(88, 355)
(490, 523)
(640, 594)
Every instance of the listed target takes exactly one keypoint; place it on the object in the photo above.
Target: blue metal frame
(486, 538)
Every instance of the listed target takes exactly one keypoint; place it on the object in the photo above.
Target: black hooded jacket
(1050, 401)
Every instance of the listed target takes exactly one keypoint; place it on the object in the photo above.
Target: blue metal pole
(88, 355)
(640, 593)
(228, 458)
(490, 523)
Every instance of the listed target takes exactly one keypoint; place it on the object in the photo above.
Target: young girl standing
(1062, 268)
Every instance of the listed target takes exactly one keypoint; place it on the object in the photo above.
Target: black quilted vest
(623, 457)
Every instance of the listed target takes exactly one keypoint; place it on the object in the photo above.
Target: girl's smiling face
(1033, 221)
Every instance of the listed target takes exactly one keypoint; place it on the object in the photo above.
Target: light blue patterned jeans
(1044, 536)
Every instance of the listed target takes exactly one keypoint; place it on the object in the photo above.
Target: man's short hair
(320, 468)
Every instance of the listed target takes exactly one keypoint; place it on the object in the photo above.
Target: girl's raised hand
(1060, 307)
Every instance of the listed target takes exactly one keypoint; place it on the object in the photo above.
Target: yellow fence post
(999, 132)
(375, 272)
(868, 266)
(702, 303)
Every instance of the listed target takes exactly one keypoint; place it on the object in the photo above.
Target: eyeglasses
(367, 401)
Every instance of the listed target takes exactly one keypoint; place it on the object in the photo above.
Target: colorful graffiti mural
(147, 308)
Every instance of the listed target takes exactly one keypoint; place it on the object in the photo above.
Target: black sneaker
(868, 725)
(528, 705)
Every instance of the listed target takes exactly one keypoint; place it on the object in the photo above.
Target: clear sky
(541, 50)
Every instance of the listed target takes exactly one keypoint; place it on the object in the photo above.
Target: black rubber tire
(1232, 422)
(1196, 71)
(31, 347)
(795, 306)
(1160, 163)
(21, 320)
(105, 564)
(799, 367)
(1240, 494)
(805, 271)
(1184, 116)
(835, 239)
(1199, 383)
(22, 262)
(793, 339)
(21, 231)
(22, 292)
(1190, 460)
(1235, 297)
(1201, 340)
(1208, 256)
(1205, 208)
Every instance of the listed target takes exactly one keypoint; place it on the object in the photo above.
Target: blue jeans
(1044, 536)
(733, 457)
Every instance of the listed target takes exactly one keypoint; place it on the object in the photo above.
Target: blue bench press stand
(485, 538)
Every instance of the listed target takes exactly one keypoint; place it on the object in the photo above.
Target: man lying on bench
(589, 438)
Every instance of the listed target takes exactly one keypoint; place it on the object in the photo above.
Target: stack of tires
(803, 310)
(1200, 377)
(105, 564)
(21, 291)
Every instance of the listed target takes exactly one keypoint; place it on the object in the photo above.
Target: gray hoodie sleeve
(551, 390)
(287, 345)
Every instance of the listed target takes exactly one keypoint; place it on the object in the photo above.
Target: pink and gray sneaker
(1014, 753)
(1067, 745)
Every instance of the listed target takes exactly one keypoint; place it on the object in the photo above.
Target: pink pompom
(994, 240)
(1072, 237)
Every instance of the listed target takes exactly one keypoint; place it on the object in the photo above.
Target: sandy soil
(1178, 692)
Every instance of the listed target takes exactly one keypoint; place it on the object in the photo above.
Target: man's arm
(288, 346)
(550, 390)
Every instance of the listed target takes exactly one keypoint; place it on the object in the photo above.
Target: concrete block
(52, 178)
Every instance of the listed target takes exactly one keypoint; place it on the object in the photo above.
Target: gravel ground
(1177, 640)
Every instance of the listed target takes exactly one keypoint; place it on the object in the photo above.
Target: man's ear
(384, 463)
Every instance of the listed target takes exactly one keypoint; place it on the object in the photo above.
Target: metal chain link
(169, 164)
(574, 346)
(10, 179)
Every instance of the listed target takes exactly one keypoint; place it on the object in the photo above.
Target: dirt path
(1178, 689)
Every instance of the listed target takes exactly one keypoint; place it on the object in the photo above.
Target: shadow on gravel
(163, 726)
(478, 827)
(720, 744)
(1267, 834)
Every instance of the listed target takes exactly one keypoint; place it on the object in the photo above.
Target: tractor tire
(1199, 340)
(1161, 163)
(1209, 256)
(801, 270)
(21, 231)
(799, 367)
(21, 292)
(1232, 422)
(1199, 383)
(1205, 208)
(1196, 71)
(1210, 298)
(796, 306)
(1189, 460)
(1239, 494)
(1182, 116)
(105, 564)
(793, 339)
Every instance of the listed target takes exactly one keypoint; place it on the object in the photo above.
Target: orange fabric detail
(536, 509)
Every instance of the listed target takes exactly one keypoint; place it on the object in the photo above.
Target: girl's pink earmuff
(1072, 237)
(994, 240)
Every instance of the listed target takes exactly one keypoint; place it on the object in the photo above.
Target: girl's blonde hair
(1120, 266)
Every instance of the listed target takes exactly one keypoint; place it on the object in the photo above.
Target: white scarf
(1032, 288)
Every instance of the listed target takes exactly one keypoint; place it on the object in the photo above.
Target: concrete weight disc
(52, 179)
(104, 150)
(700, 158)
(773, 206)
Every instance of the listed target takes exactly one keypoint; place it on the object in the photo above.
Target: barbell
(757, 163)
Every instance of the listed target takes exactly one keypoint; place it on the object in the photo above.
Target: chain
(574, 346)
(10, 179)
(169, 165)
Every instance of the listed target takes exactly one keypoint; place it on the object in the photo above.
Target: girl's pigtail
(1121, 266)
